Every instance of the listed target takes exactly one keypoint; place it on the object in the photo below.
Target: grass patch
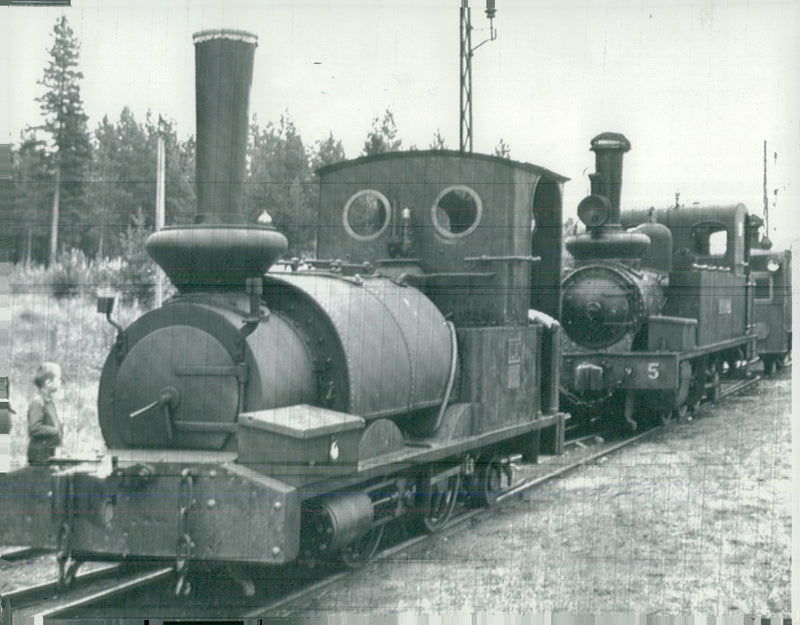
(68, 331)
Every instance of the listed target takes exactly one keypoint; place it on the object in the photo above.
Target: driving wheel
(439, 503)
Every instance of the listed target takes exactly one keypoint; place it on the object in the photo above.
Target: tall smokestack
(600, 210)
(221, 250)
(223, 74)
(609, 148)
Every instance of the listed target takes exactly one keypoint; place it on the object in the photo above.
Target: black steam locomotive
(659, 305)
(264, 416)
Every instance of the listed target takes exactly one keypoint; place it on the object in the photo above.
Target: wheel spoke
(441, 501)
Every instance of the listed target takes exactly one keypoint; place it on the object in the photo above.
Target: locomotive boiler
(264, 417)
(658, 306)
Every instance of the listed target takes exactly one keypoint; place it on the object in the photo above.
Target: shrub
(68, 274)
(133, 275)
(137, 276)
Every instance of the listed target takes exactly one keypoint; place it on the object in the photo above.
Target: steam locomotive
(660, 303)
(265, 417)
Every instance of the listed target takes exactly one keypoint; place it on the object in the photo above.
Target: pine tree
(327, 152)
(438, 142)
(279, 181)
(381, 138)
(65, 122)
(124, 178)
(502, 149)
(31, 201)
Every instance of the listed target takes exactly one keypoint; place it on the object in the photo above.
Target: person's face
(53, 385)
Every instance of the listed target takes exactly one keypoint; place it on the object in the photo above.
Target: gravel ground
(695, 520)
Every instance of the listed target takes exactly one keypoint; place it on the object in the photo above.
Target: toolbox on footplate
(300, 440)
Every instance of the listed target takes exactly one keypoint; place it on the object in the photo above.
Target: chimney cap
(611, 141)
(225, 33)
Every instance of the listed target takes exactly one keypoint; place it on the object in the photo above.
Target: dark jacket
(44, 430)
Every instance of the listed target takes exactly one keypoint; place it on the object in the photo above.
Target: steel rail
(12, 554)
(70, 602)
(28, 595)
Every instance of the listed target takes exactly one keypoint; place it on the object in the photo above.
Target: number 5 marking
(652, 370)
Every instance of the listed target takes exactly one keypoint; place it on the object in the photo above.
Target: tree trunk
(29, 247)
(54, 224)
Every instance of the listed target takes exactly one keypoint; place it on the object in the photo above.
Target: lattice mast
(466, 51)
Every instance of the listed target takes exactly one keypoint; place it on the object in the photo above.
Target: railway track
(12, 554)
(103, 592)
(38, 594)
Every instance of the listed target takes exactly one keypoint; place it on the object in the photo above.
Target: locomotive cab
(482, 249)
(772, 275)
(486, 252)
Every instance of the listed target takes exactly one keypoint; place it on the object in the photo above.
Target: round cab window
(366, 215)
(457, 211)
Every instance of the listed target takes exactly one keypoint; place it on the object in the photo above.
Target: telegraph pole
(766, 199)
(160, 202)
(466, 51)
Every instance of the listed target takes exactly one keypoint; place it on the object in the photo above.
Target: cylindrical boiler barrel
(224, 71)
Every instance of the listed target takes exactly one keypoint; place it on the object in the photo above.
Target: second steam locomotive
(660, 304)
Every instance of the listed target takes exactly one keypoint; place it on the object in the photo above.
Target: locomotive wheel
(716, 387)
(656, 408)
(440, 501)
(663, 416)
(681, 413)
(628, 424)
(696, 387)
(358, 553)
(67, 565)
(489, 482)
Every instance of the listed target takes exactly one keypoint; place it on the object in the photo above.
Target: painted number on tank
(652, 370)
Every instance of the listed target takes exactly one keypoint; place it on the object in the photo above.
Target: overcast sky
(696, 86)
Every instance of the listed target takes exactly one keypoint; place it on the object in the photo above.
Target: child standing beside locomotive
(44, 426)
